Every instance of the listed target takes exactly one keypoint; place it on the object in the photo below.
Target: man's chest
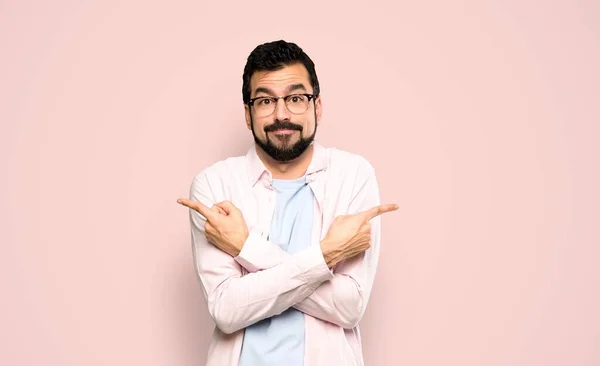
(258, 202)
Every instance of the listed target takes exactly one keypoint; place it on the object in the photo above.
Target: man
(286, 238)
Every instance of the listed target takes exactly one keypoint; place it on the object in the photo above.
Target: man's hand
(225, 226)
(350, 235)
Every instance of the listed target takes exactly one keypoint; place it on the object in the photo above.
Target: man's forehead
(281, 79)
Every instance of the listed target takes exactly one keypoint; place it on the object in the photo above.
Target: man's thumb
(227, 206)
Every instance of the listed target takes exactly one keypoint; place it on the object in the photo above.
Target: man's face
(283, 135)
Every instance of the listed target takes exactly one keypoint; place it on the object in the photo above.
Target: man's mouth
(283, 132)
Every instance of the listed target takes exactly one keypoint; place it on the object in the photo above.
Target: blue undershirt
(279, 340)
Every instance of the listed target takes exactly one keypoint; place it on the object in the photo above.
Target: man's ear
(318, 108)
(247, 115)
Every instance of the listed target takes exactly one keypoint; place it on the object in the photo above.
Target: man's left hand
(225, 226)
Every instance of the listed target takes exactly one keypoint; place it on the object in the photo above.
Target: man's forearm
(241, 301)
(339, 300)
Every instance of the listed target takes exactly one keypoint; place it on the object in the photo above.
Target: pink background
(481, 118)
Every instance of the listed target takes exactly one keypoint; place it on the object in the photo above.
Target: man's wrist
(240, 244)
(331, 254)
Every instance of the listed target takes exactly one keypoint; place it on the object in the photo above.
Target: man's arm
(343, 299)
(235, 301)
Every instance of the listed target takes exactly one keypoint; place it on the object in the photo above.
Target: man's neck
(289, 170)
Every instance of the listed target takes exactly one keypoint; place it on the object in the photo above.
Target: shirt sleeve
(236, 301)
(342, 299)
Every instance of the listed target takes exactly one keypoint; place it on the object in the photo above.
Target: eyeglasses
(295, 103)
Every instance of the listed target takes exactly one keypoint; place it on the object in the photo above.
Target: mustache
(286, 125)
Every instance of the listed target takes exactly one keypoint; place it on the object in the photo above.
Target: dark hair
(274, 56)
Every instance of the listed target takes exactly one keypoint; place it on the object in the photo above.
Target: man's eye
(297, 99)
(265, 101)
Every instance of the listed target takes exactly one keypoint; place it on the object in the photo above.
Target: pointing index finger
(198, 207)
(378, 210)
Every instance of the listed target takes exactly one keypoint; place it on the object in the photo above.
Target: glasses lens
(264, 106)
(296, 103)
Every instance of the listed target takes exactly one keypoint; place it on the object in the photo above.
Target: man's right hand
(350, 235)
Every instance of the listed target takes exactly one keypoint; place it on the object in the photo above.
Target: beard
(286, 152)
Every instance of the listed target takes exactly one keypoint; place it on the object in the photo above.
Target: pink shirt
(264, 280)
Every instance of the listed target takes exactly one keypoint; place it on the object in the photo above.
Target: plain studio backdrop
(480, 118)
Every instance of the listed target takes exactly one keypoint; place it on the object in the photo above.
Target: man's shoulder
(348, 161)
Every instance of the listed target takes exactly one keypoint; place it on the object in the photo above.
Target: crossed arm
(340, 299)
(278, 280)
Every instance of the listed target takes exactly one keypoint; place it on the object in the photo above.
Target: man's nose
(281, 111)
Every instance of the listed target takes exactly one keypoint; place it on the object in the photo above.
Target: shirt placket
(266, 210)
(317, 188)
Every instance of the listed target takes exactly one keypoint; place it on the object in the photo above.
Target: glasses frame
(307, 95)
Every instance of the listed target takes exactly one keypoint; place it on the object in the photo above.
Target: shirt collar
(256, 168)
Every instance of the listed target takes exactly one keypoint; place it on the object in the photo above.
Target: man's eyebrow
(294, 87)
(262, 89)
